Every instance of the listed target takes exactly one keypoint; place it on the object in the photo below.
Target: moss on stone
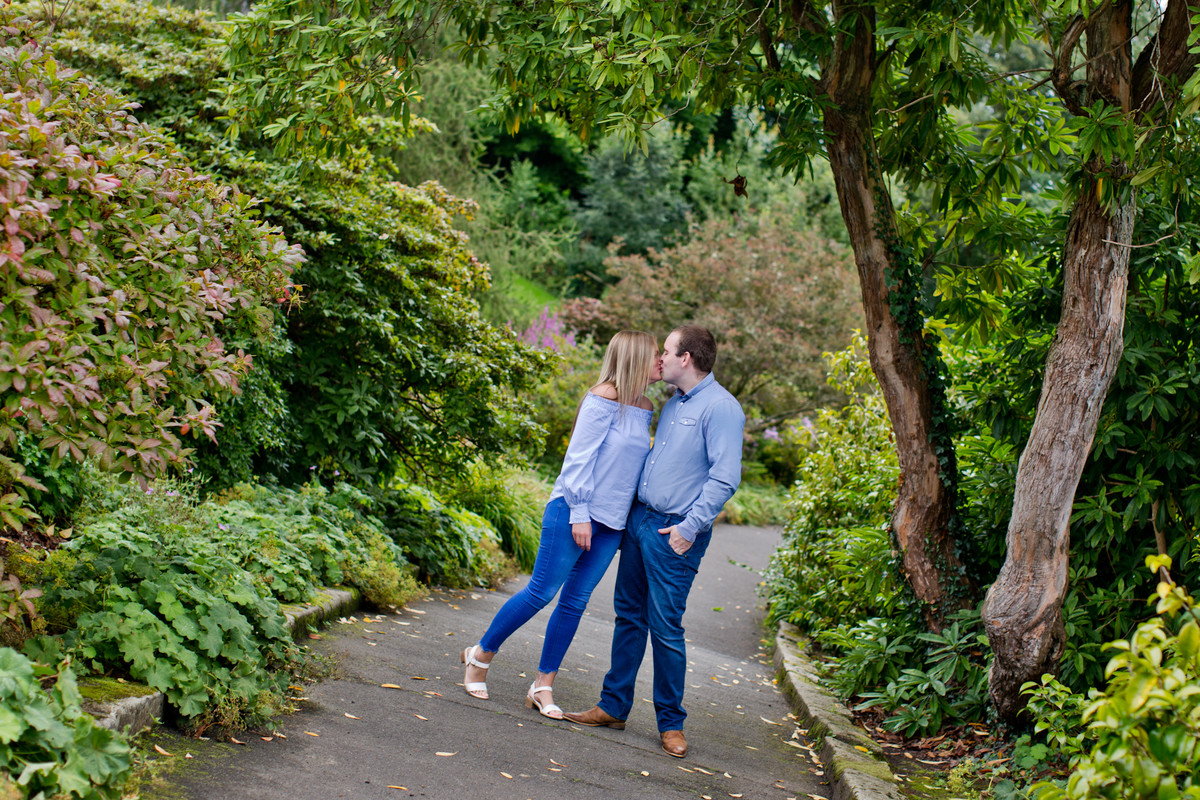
(108, 690)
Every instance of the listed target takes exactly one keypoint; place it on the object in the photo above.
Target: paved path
(428, 738)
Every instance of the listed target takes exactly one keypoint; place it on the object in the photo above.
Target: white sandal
(547, 710)
(476, 689)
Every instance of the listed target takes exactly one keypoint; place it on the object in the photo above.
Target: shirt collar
(699, 387)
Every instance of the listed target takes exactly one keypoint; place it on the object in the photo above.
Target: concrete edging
(853, 760)
(139, 707)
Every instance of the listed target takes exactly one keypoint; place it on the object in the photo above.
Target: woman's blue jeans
(560, 564)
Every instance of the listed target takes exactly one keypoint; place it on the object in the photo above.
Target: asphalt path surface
(355, 737)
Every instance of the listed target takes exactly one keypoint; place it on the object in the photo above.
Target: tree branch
(1166, 62)
(1061, 74)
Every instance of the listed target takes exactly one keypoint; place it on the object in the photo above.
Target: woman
(585, 517)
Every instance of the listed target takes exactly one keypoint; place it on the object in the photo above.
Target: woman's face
(655, 366)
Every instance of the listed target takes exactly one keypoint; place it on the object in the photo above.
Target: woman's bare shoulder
(605, 390)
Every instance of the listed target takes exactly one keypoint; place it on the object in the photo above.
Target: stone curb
(139, 707)
(853, 760)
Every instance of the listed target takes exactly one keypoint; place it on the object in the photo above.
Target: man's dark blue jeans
(653, 583)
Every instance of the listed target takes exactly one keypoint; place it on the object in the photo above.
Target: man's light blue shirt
(696, 463)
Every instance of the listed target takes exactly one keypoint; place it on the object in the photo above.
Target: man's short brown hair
(698, 341)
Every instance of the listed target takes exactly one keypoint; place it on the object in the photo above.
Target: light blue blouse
(604, 459)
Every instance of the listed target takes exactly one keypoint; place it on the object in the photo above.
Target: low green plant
(944, 682)
(757, 504)
(450, 546)
(298, 540)
(511, 500)
(50, 747)
(141, 590)
(1142, 733)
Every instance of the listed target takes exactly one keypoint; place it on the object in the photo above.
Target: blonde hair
(626, 367)
(627, 364)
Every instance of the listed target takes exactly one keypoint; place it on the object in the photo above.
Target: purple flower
(771, 434)
(547, 332)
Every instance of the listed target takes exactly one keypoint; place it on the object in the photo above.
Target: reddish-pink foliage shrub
(120, 269)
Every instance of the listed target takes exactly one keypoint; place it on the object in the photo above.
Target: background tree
(772, 290)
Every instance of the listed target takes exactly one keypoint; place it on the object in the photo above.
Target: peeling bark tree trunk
(924, 506)
(1023, 608)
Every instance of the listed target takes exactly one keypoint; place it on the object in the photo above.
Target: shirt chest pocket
(688, 423)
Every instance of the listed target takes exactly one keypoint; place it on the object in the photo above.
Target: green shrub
(50, 747)
(511, 500)
(556, 399)
(1142, 734)
(390, 366)
(835, 562)
(944, 681)
(450, 546)
(298, 540)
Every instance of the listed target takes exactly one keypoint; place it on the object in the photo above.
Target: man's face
(672, 365)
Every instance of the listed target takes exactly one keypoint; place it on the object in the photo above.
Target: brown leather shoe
(596, 717)
(674, 744)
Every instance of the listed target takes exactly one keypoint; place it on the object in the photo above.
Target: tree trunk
(1023, 608)
(925, 503)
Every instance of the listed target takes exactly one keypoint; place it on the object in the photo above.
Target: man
(693, 469)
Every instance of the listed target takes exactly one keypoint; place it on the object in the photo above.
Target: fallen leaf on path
(419, 678)
(818, 797)
(414, 610)
(236, 741)
(351, 716)
(158, 749)
(401, 788)
(424, 719)
(865, 750)
(645, 774)
(388, 686)
(685, 769)
(748, 747)
(505, 774)
(731, 794)
(703, 770)
(310, 733)
(552, 761)
(430, 694)
(315, 636)
(447, 754)
(770, 721)
(554, 769)
(267, 738)
(280, 736)
(187, 755)
(727, 775)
